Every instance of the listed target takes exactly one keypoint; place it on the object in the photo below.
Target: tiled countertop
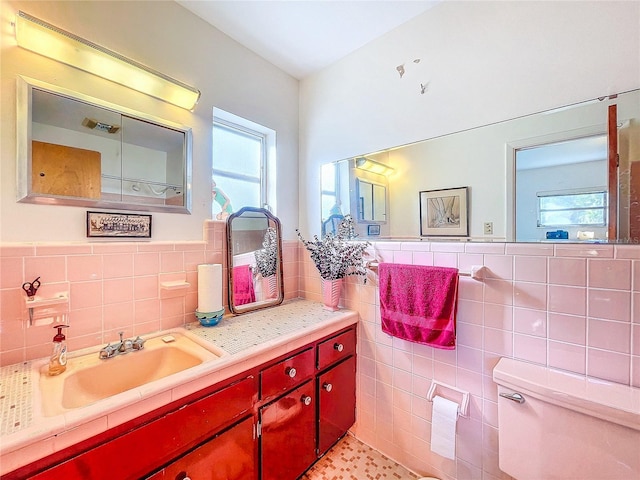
(247, 340)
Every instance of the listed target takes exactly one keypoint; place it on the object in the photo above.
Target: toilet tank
(558, 425)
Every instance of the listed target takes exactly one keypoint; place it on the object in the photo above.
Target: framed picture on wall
(444, 213)
(121, 225)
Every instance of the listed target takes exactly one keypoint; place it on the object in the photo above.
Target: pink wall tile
(609, 335)
(608, 365)
(567, 357)
(498, 267)
(530, 322)
(568, 271)
(567, 328)
(84, 267)
(117, 290)
(117, 266)
(85, 294)
(614, 274)
(498, 316)
(146, 263)
(571, 300)
(403, 257)
(609, 304)
(532, 349)
(444, 259)
(530, 269)
(50, 269)
(586, 250)
(498, 291)
(545, 250)
(171, 262)
(530, 295)
(498, 341)
(12, 272)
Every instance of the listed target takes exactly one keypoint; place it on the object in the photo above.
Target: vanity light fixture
(53, 42)
(372, 166)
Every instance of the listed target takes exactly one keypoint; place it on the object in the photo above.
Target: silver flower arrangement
(267, 257)
(337, 256)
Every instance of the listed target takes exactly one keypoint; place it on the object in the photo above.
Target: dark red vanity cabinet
(228, 456)
(287, 437)
(271, 422)
(135, 453)
(336, 384)
(336, 403)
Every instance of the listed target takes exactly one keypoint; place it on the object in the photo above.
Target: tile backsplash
(112, 286)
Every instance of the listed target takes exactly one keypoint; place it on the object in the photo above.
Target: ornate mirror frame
(254, 260)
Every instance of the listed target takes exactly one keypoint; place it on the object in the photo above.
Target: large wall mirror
(254, 249)
(528, 177)
(78, 150)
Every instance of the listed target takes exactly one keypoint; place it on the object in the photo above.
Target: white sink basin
(89, 379)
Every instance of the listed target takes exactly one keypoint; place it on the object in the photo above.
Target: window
(587, 208)
(242, 157)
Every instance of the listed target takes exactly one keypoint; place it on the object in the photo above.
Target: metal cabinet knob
(306, 399)
(182, 476)
(327, 386)
(338, 346)
(291, 372)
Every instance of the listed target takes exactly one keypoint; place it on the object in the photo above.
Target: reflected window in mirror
(254, 250)
(78, 150)
(243, 164)
(562, 185)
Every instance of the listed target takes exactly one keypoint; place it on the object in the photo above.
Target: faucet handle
(138, 343)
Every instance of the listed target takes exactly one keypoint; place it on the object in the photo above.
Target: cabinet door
(337, 403)
(288, 438)
(229, 456)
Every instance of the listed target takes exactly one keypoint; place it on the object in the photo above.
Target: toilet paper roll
(443, 427)
(209, 288)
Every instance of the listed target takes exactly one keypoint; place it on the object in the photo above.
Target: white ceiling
(304, 36)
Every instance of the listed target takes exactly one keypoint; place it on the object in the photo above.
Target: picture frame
(373, 230)
(444, 212)
(118, 225)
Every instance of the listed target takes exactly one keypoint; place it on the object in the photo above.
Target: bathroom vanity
(281, 398)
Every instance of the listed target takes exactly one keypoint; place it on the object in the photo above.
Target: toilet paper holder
(450, 393)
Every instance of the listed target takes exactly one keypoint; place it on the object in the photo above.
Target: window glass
(239, 159)
(572, 209)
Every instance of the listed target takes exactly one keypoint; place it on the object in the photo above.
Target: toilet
(558, 425)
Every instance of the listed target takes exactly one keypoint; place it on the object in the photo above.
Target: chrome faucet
(122, 347)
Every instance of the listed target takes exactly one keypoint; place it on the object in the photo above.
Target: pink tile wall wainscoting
(572, 307)
(113, 286)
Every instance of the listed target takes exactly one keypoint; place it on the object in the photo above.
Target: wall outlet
(488, 228)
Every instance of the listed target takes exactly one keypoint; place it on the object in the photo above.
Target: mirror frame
(250, 307)
(25, 87)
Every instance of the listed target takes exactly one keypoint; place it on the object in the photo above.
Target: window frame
(573, 192)
(267, 168)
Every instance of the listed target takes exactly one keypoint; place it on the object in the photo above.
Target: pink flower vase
(331, 293)
(269, 287)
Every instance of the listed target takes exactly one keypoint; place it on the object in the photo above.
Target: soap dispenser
(58, 361)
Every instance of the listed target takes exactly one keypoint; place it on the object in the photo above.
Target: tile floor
(351, 459)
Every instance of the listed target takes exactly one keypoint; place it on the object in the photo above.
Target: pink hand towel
(243, 291)
(418, 303)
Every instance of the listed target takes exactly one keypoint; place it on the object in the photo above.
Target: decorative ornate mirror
(254, 250)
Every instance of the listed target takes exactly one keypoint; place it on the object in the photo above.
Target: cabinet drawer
(286, 374)
(336, 348)
(140, 451)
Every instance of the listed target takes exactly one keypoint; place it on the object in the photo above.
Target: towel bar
(476, 272)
